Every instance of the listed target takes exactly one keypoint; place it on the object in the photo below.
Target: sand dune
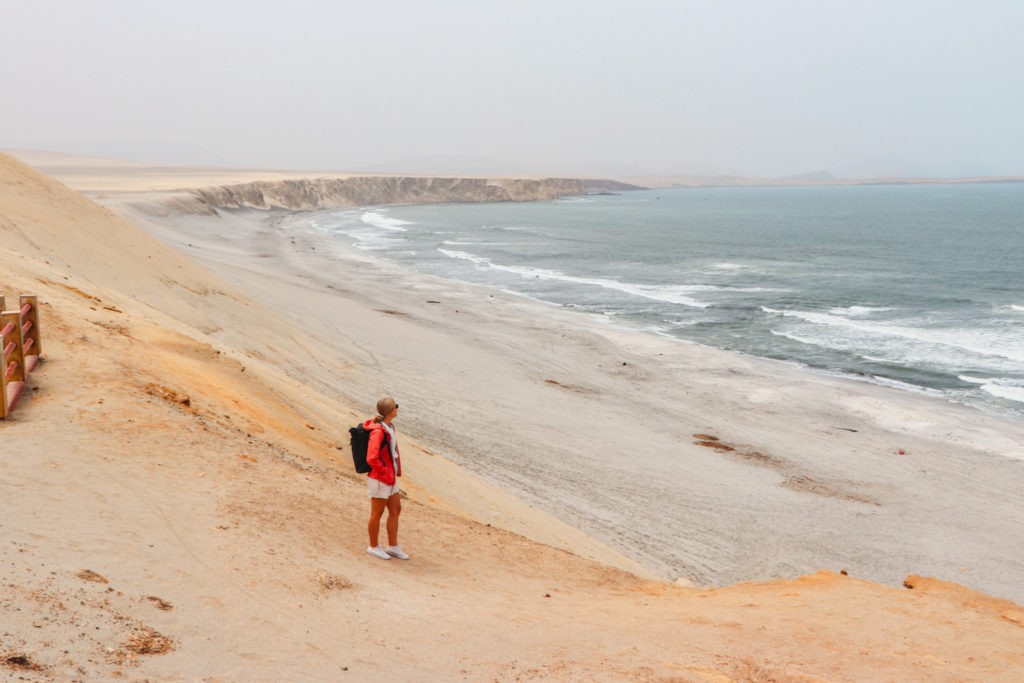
(175, 507)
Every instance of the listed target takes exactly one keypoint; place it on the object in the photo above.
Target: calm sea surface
(919, 287)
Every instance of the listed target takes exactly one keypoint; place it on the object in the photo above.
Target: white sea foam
(479, 260)
(798, 338)
(346, 213)
(859, 310)
(379, 220)
(872, 379)
(521, 295)
(976, 380)
(375, 244)
(979, 342)
(1003, 387)
(905, 386)
(1003, 391)
(368, 239)
(1015, 307)
(675, 294)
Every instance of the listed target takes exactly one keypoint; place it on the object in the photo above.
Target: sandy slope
(224, 533)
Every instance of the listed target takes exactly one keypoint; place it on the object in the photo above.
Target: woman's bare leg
(394, 509)
(377, 506)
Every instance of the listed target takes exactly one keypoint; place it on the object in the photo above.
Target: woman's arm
(373, 451)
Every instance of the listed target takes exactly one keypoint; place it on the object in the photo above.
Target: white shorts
(378, 489)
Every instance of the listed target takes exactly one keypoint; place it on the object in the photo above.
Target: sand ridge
(175, 507)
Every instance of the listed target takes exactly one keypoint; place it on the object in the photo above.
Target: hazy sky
(759, 87)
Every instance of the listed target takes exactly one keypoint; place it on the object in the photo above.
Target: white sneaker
(377, 551)
(396, 551)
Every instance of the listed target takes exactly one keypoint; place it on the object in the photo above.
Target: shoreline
(765, 503)
(1012, 409)
(421, 248)
(596, 321)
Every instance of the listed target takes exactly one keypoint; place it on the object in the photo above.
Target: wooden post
(20, 349)
(4, 333)
(12, 374)
(30, 326)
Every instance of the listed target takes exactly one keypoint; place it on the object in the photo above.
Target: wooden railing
(19, 339)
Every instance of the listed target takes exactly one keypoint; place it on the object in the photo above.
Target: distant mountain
(813, 175)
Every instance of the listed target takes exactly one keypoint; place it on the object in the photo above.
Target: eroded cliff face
(326, 193)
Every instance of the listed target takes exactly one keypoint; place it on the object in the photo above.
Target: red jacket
(378, 454)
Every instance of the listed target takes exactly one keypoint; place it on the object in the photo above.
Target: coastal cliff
(325, 193)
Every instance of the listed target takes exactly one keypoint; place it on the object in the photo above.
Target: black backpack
(360, 441)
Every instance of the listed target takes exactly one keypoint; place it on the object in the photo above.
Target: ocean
(919, 287)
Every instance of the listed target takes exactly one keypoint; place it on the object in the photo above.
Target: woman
(382, 481)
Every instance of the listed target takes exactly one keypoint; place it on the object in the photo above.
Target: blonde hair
(384, 408)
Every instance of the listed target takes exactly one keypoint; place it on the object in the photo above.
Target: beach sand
(177, 504)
